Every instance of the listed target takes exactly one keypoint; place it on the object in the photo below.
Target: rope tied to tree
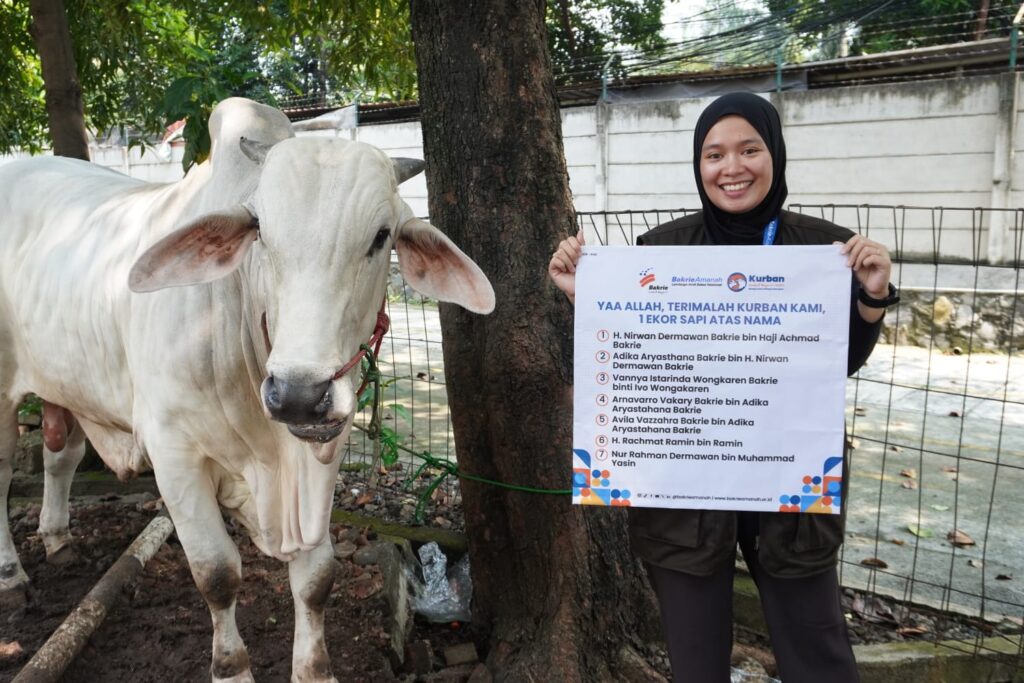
(386, 441)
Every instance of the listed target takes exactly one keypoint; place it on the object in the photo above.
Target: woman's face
(735, 165)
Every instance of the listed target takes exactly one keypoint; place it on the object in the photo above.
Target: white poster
(711, 377)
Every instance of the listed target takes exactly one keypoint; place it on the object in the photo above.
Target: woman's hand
(873, 269)
(562, 267)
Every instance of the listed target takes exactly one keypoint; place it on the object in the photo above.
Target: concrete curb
(452, 542)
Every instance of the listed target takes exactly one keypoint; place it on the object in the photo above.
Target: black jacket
(790, 545)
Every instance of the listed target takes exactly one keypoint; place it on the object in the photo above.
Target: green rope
(373, 432)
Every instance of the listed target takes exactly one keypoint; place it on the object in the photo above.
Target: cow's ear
(433, 265)
(203, 251)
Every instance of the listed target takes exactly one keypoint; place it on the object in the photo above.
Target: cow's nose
(296, 403)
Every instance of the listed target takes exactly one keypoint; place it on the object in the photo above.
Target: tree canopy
(583, 35)
(143, 64)
(858, 27)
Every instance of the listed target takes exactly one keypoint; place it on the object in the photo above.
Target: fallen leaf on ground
(909, 484)
(918, 531)
(365, 585)
(909, 472)
(912, 631)
(951, 468)
(959, 538)
(940, 508)
(874, 562)
(975, 563)
(11, 649)
(954, 413)
(1004, 577)
(873, 610)
(897, 541)
(364, 499)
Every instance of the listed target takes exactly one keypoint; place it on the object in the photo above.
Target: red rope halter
(375, 341)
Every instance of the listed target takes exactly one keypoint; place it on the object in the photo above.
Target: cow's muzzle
(305, 408)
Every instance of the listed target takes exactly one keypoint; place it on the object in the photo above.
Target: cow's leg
(213, 558)
(65, 437)
(311, 575)
(13, 579)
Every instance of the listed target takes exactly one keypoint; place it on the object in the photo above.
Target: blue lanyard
(769, 232)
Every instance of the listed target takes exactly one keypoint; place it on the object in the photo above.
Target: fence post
(779, 58)
(999, 226)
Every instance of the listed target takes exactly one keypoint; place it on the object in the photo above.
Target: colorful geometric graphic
(646, 277)
(591, 486)
(821, 494)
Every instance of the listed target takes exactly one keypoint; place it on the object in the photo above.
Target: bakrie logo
(646, 277)
(737, 282)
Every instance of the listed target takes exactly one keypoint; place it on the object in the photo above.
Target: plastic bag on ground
(739, 676)
(444, 594)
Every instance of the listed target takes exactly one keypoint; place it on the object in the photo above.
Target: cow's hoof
(62, 556)
(329, 679)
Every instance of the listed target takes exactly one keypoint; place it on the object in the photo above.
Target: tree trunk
(982, 22)
(64, 110)
(555, 585)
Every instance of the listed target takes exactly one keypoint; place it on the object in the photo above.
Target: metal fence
(936, 416)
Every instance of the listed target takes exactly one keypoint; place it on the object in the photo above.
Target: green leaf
(388, 436)
(366, 396)
(940, 508)
(401, 411)
(389, 454)
(918, 531)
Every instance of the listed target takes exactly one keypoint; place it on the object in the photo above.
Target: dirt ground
(161, 631)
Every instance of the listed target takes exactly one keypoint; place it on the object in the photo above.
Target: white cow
(181, 372)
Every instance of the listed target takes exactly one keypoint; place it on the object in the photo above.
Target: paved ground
(956, 423)
(413, 367)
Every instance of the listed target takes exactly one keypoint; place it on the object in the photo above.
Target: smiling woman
(740, 167)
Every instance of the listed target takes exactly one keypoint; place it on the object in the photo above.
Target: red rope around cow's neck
(375, 341)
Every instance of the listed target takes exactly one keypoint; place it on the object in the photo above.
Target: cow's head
(325, 214)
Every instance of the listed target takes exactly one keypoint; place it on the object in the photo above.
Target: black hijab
(743, 228)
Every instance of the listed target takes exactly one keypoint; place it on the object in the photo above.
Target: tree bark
(570, 39)
(555, 585)
(64, 108)
(982, 22)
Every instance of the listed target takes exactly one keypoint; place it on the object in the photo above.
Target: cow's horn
(406, 168)
(254, 149)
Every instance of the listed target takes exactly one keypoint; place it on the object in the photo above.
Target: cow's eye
(379, 240)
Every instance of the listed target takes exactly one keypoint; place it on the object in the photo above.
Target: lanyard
(769, 232)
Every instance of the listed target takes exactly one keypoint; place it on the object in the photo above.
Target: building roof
(981, 57)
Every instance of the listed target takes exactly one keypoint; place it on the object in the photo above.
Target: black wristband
(872, 302)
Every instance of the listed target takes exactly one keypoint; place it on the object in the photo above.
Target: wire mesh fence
(936, 416)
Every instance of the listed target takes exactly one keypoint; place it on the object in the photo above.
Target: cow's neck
(251, 281)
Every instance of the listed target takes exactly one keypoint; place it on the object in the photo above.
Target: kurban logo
(646, 277)
(737, 282)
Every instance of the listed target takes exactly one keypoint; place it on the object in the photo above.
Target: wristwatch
(871, 302)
